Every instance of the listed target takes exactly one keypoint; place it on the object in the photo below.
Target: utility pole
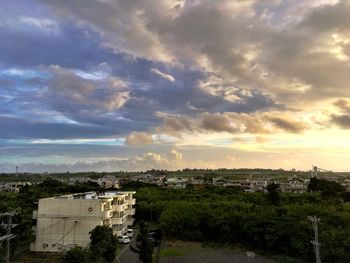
(8, 235)
(314, 220)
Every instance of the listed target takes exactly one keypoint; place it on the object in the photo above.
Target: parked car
(130, 233)
(123, 239)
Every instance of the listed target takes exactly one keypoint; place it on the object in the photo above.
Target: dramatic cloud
(217, 122)
(139, 138)
(144, 74)
(343, 105)
(109, 94)
(171, 160)
(231, 123)
(343, 118)
(288, 125)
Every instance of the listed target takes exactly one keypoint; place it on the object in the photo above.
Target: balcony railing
(130, 212)
(119, 231)
(107, 213)
(120, 202)
(119, 219)
(107, 222)
(129, 222)
(132, 201)
(119, 208)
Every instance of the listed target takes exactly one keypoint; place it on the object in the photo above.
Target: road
(126, 255)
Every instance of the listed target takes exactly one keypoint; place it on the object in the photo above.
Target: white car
(130, 233)
(123, 239)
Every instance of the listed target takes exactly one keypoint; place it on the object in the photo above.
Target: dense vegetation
(102, 248)
(274, 222)
(223, 173)
(256, 220)
(144, 246)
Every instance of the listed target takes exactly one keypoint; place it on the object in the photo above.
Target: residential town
(252, 182)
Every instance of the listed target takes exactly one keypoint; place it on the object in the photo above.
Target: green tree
(273, 193)
(103, 243)
(144, 246)
(327, 188)
(77, 255)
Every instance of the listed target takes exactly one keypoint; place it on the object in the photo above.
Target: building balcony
(117, 221)
(118, 201)
(35, 214)
(119, 231)
(107, 222)
(132, 201)
(119, 208)
(129, 221)
(107, 213)
(130, 212)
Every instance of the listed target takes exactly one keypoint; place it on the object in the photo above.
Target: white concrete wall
(63, 223)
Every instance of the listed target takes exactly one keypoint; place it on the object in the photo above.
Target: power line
(314, 220)
(8, 235)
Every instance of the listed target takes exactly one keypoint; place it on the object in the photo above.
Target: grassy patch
(180, 248)
(171, 251)
(285, 259)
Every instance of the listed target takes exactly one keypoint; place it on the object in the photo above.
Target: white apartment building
(65, 221)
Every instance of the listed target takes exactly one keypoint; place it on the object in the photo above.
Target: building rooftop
(94, 195)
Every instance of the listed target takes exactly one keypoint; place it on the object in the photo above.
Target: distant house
(293, 187)
(13, 187)
(174, 182)
(108, 182)
(80, 180)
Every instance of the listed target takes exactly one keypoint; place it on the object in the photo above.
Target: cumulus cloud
(163, 75)
(260, 123)
(134, 39)
(342, 119)
(217, 86)
(150, 160)
(139, 138)
(288, 125)
(173, 124)
(270, 46)
(343, 105)
(241, 67)
(217, 123)
(65, 86)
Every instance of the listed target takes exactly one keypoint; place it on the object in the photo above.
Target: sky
(131, 85)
